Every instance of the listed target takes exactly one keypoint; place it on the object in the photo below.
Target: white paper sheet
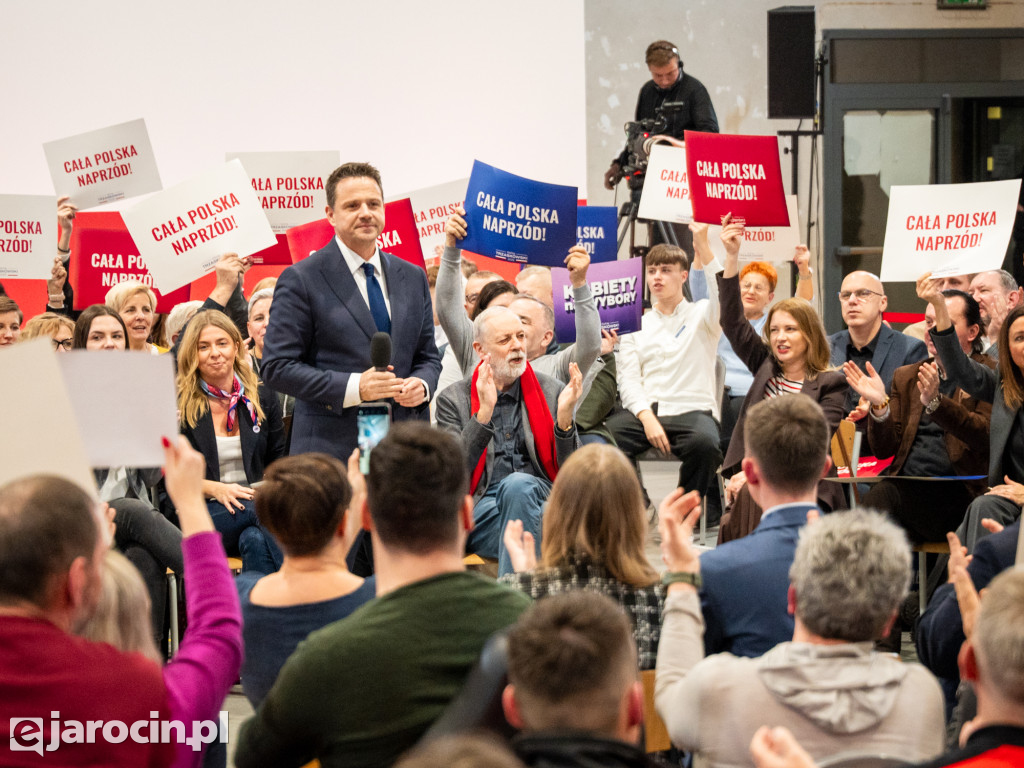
(289, 185)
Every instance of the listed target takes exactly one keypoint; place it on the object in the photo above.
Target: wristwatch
(682, 577)
(933, 404)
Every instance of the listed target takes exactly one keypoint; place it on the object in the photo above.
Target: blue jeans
(241, 532)
(516, 497)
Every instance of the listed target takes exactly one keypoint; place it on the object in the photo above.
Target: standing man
(327, 308)
(668, 84)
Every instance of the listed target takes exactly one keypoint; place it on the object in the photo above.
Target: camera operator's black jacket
(697, 115)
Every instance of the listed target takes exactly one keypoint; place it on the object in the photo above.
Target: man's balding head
(997, 643)
(536, 281)
(862, 299)
(51, 547)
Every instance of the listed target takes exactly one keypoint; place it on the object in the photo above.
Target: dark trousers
(693, 437)
(926, 510)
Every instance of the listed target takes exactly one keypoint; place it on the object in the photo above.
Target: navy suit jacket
(319, 335)
(893, 350)
(940, 632)
(746, 584)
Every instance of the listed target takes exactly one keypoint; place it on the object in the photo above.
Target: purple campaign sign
(517, 219)
(617, 287)
(597, 229)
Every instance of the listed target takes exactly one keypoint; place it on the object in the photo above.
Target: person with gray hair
(516, 427)
(259, 318)
(177, 317)
(828, 685)
(996, 293)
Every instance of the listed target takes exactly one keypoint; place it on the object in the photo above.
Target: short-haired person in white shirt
(666, 372)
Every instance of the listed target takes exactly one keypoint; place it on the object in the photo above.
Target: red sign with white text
(740, 175)
(103, 254)
(275, 254)
(399, 238)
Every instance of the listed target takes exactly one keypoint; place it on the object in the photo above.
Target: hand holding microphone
(378, 382)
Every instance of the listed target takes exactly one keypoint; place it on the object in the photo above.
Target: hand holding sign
(577, 262)
(455, 228)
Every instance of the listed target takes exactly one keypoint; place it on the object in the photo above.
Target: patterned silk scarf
(237, 393)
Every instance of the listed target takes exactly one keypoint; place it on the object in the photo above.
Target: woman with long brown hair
(230, 418)
(791, 356)
(595, 527)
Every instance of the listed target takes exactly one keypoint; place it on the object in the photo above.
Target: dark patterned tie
(375, 295)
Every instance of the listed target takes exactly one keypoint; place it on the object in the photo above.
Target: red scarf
(541, 423)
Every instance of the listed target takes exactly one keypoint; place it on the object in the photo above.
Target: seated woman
(229, 418)
(59, 328)
(147, 538)
(1004, 388)
(200, 675)
(135, 302)
(595, 526)
(307, 502)
(792, 357)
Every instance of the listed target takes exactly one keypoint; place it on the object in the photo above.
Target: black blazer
(259, 449)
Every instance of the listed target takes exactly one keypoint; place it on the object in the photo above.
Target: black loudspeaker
(791, 62)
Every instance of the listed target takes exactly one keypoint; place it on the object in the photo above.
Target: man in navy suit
(327, 308)
(867, 339)
(746, 581)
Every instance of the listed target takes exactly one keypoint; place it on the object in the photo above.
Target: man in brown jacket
(932, 429)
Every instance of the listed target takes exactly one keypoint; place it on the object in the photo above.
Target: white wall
(419, 89)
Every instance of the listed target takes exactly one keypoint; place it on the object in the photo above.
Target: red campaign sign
(103, 254)
(400, 237)
(275, 254)
(740, 175)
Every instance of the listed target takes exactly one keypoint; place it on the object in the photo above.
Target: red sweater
(44, 670)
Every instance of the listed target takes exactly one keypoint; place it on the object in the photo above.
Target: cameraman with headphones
(668, 83)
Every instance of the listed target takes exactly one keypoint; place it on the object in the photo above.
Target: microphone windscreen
(380, 350)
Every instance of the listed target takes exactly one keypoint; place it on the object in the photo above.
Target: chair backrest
(720, 381)
(478, 705)
(845, 448)
(655, 734)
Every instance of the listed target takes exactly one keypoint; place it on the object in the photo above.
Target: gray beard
(506, 373)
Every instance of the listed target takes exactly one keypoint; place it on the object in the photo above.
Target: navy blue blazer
(941, 631)
(746, 584)
(319, 335)
(892, 350)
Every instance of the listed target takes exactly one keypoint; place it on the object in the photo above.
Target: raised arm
(448, 294)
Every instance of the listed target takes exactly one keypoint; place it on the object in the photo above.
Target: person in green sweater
(363, 690)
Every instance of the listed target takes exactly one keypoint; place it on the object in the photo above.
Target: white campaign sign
(28, 236)
(432, 206)
(773, 244)
(105, 165)
(948, 229)
(184, 230)
(42, 433)
(122, 426)
(289, 185)
(666, 192)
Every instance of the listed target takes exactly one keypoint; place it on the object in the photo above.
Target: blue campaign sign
(596, 230)
(516, 219)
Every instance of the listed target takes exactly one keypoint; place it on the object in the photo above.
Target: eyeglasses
(66, 344)
(861, 295)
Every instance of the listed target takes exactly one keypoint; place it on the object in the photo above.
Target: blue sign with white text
(596, 230)
(516, 219)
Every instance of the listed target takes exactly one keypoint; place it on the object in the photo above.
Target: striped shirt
(779, 385)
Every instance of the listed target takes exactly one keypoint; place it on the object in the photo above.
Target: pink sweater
(200, 675)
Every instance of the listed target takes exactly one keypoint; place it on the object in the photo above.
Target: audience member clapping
(314, 512)
(236, 426)
(828, 686)
(595, 527)
(1004, 388)
(207, 663)
(791, 357)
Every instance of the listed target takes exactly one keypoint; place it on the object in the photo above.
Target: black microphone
(380, 350)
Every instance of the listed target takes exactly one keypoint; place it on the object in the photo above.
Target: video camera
(637, 132)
